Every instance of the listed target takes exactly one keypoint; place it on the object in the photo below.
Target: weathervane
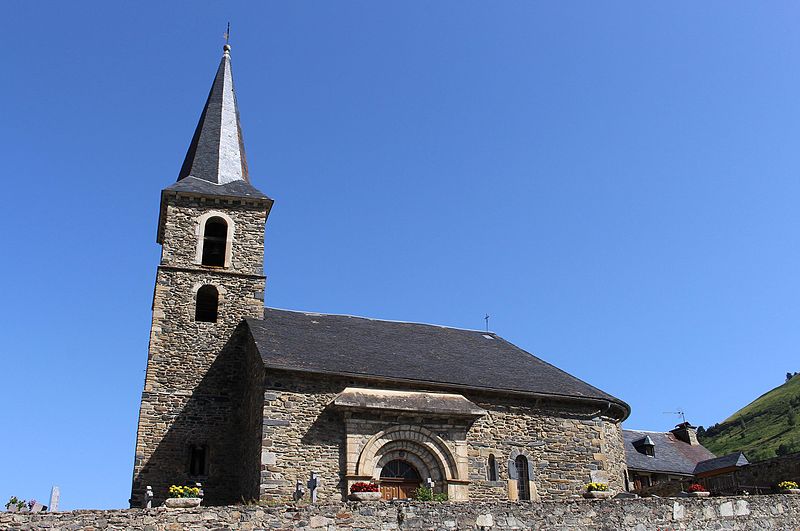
(228, 33)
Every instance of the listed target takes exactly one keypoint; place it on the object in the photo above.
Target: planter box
(364, 496)
(182, 503)
(699, 494)
(790, 491)
(598, 494)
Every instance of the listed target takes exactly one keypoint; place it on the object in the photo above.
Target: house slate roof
(734, 459)
(412, 352)
(672, 455)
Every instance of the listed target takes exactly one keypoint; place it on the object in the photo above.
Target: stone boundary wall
(770, 472)
(774, 512)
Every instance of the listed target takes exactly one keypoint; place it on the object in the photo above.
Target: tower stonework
(211, 229)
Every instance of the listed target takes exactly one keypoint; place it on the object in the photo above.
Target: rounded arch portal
(415, 444)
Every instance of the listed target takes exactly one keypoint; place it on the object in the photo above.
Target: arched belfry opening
(207, 304)
(215, 238)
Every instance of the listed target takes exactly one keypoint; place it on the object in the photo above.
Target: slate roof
(216, 163)
(194, 185)
(734, 459)
(672, 455)
(413, 352)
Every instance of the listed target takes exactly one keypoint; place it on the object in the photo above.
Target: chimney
(686, 433)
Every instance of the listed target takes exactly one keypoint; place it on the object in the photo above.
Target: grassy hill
(768, 426)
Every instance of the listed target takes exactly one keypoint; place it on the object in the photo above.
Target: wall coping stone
(777, 512)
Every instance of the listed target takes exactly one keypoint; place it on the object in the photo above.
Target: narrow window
(198, 460)
(523, 489)
(215, 239)
(491, 473)
(207, 304)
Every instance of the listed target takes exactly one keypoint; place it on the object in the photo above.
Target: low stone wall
(775, 512)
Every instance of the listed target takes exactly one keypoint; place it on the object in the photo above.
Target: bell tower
(210, 277)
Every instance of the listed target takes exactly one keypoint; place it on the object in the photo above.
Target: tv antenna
(486, 318)
(680, 412)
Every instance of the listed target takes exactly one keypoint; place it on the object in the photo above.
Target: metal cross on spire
(228, 34)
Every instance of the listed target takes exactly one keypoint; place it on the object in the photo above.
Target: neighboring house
(251, 401)
(718, 474)
(655, 457)
(677, 455)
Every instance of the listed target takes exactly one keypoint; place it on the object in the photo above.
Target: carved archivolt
(415, 444)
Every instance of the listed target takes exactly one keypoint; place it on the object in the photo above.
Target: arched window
(491, 466)
(523, 488)
(400, 470)
(207, 304)
(215, 240)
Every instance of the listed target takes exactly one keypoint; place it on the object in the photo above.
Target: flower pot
(699, 494)
(182, 503)
(790, 491)
(598, 494)
(364, 496)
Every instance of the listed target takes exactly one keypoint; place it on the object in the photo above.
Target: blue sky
(616, 184)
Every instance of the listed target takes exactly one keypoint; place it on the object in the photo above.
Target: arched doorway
(399, 480)
(523, 487)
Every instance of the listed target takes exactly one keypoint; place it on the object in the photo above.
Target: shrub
(362, 486)
(423, 494)
(597, 486)
(426, 494)
(16, 502)
(176, 491)
(787, 485)
(696, 487)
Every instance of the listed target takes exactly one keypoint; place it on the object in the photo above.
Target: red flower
(696, 487)
(364, 487)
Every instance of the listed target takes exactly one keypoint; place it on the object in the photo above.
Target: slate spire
(216, 154)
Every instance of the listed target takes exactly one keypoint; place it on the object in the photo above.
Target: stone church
(250, 401)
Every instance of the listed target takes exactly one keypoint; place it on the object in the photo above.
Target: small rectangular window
(491, 468)
(198, 460)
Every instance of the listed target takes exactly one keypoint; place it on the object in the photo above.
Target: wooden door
(398, 491)
(399, 481)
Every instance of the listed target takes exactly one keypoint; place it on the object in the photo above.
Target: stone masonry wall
(251, 421)
(565, 443)
(181, 232)
(776, 513)
(770, 472)
(192, 392)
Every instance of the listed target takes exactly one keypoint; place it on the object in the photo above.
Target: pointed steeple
(216, 154)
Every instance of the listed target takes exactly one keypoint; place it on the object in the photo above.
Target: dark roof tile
(671, 454)
(411, 352)
(734, 459)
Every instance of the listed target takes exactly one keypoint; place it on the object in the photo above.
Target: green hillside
(768, 426)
